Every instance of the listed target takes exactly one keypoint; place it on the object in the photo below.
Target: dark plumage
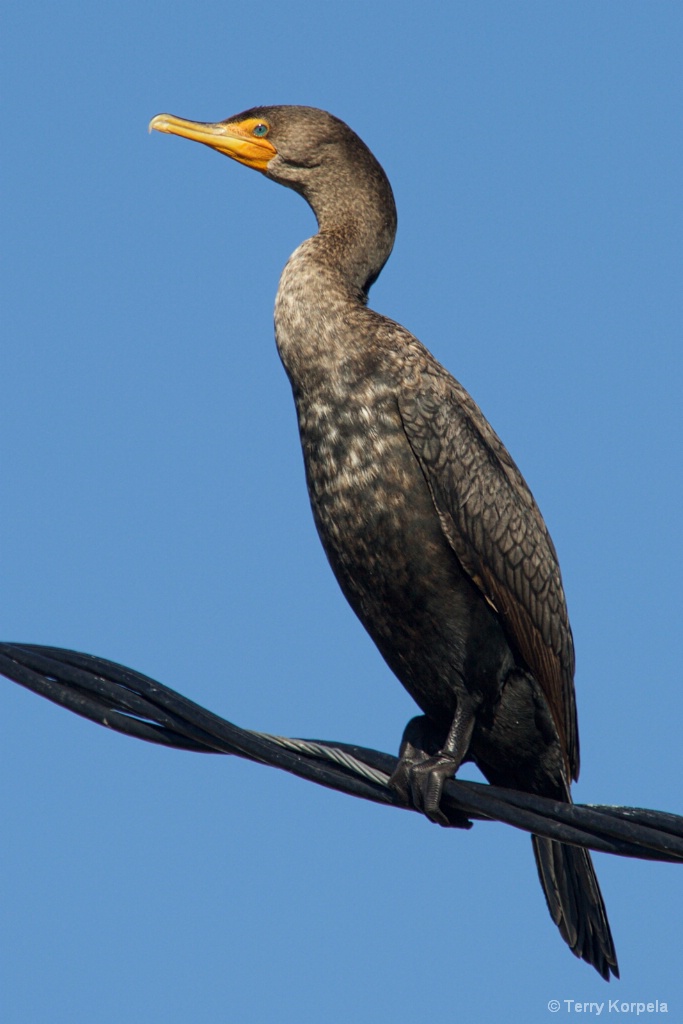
(429, 527)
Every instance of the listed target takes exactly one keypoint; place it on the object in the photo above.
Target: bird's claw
(420, 781)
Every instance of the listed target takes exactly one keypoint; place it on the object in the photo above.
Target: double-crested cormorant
(429, 527)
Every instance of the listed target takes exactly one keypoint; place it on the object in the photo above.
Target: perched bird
(430, 528)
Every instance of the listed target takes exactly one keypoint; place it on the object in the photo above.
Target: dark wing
(495, 528)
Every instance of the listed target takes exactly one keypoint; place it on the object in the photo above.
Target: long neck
(353, 250)
(356, 217)
(316, 296)
(324, 285)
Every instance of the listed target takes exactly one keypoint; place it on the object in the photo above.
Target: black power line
(129, 702)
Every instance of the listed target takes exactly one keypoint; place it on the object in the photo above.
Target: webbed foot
(423, 768)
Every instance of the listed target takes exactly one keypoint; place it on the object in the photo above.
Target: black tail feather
(575, 903)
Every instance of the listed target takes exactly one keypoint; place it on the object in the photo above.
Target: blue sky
(154, 508)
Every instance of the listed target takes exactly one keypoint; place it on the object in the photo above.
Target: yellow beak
(233, 140)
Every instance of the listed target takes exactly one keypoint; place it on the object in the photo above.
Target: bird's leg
(426, 761)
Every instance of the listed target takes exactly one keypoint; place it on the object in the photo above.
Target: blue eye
(260, 130)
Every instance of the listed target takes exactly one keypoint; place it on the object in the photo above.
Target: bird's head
(283, 142)
(320, 157)
(304, 148)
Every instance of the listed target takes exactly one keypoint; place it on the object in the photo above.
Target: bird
(428, 525)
